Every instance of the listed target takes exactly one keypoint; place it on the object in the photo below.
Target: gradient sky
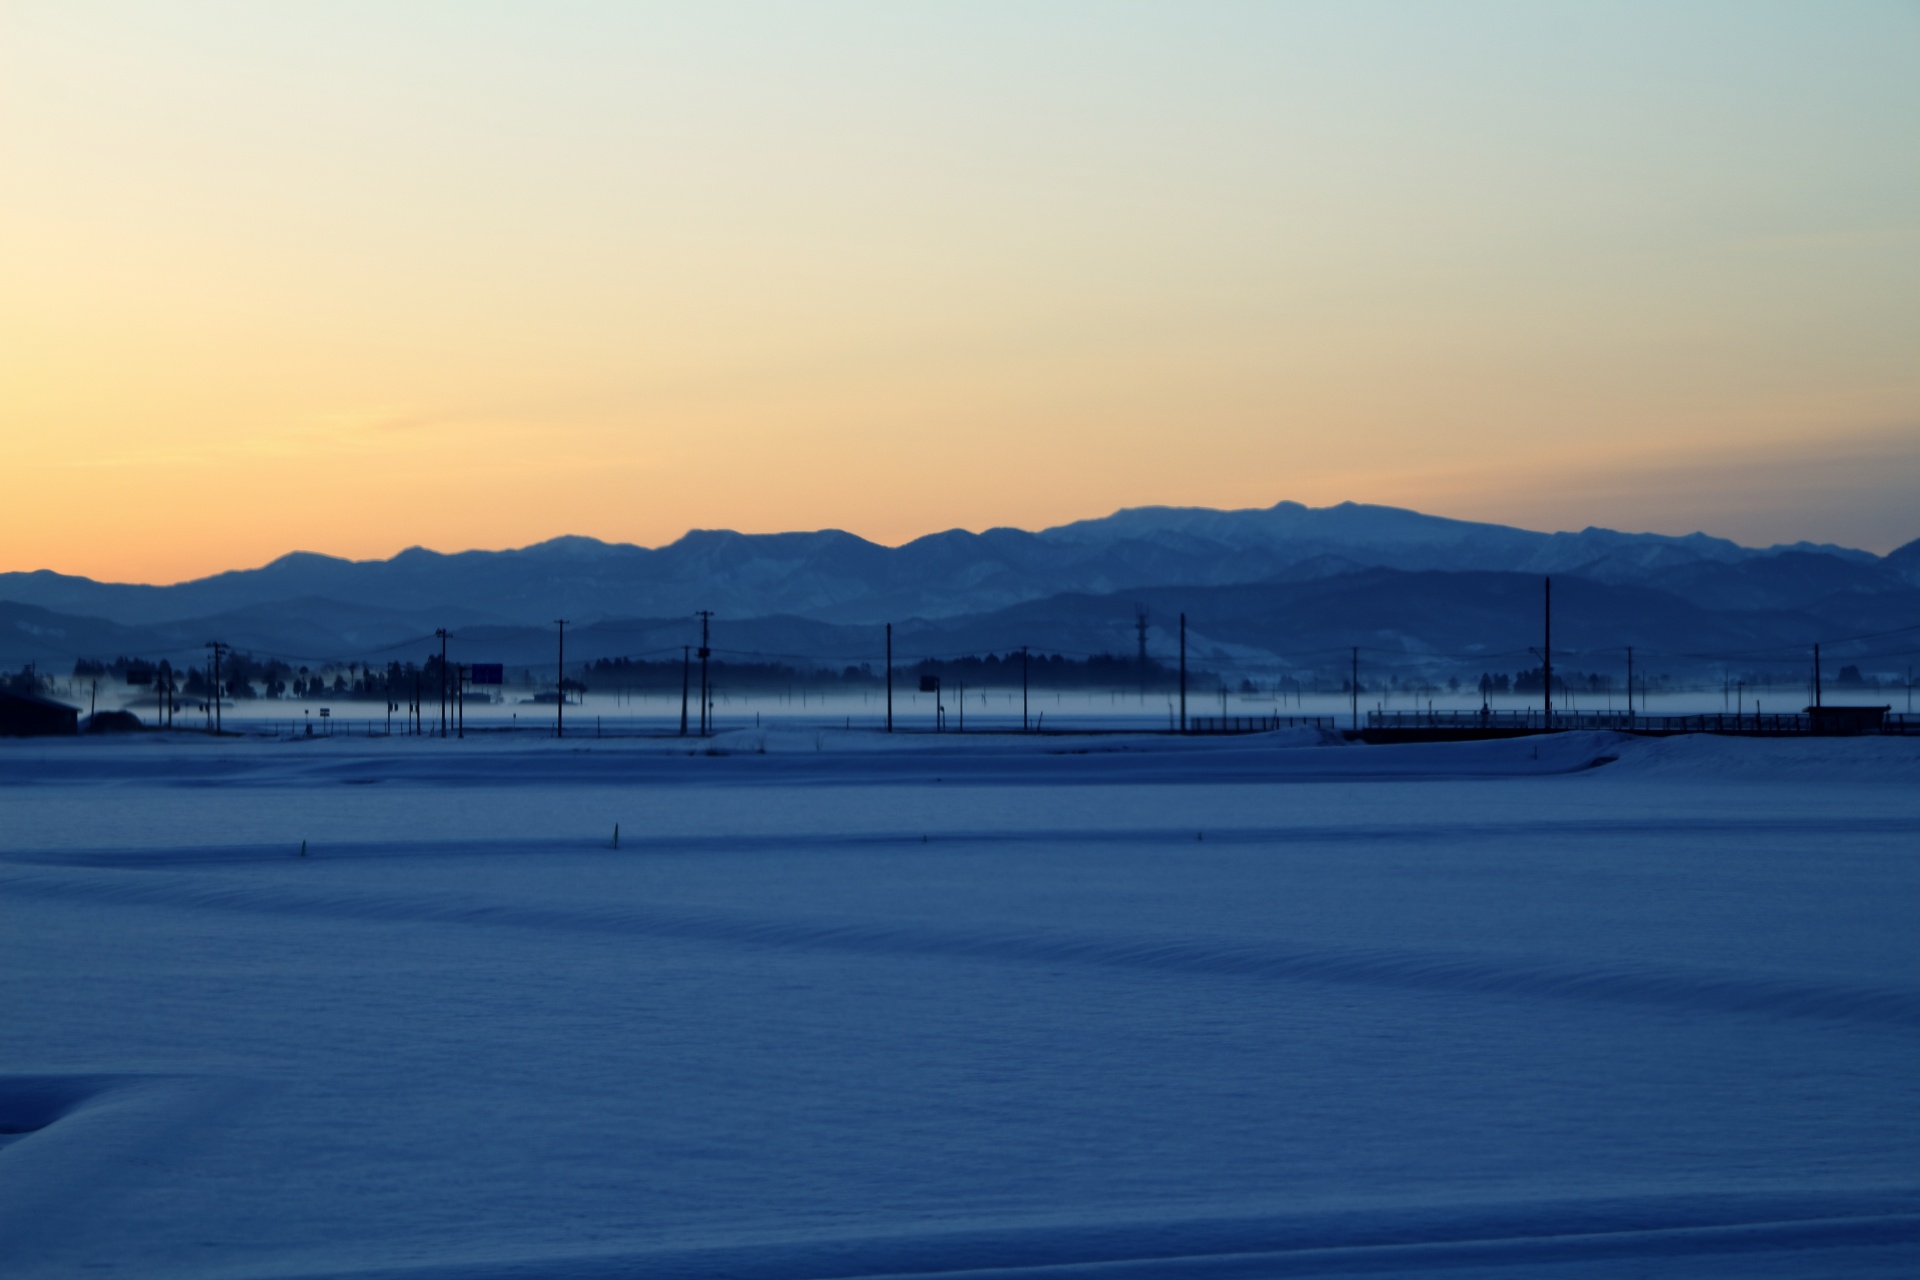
(351, 277)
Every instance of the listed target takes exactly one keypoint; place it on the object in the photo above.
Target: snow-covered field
(841, 1006)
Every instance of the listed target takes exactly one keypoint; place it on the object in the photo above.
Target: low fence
(1751, 723)
(1258, 724)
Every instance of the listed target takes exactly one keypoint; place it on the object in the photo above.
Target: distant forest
(999, 671)
(244, 676)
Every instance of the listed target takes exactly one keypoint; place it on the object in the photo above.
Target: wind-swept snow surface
(843, 1006)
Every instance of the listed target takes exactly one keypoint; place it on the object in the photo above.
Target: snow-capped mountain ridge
(835, 576)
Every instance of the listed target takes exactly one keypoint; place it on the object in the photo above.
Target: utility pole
(1546, 658)
(1816, 676)
(889, 677)
(1354, 685)
(706, 705)
(1023, 688)
(1140, 634)
(686, 670)
(560, 683)
(1629, 684)
(442, 633)
(1183, 673)
(218, 649)
(460, 698)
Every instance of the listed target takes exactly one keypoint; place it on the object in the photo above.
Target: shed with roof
(28, 715)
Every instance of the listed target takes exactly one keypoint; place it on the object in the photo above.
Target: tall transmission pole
(1140, 634)
(1629, 684)
(560, 683)
(706, 706)
(1546, 658)
(1023, 688)
(1183, 673)
(442, 633)
(218, 649)
(686, 668)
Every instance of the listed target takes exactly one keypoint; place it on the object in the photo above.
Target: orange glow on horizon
(351, 282)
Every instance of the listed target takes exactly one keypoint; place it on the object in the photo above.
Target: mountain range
(1262, 587)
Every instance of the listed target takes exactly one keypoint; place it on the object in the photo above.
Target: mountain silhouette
(1257, 582)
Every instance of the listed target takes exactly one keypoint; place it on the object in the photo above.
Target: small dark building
(26, 715)
(1846, 720)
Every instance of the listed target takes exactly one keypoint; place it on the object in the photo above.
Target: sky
(351, 277)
